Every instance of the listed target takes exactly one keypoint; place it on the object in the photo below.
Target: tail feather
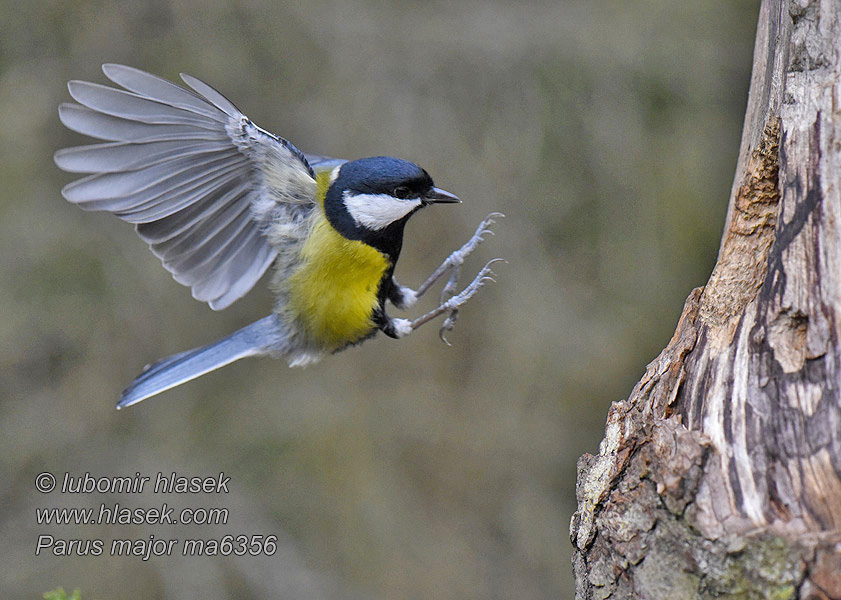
(252, 340)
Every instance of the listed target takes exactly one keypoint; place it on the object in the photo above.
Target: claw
(448, 325)
(451, 301)
(456, 259)
(453, 304)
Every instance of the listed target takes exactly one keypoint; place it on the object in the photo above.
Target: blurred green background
(606, 131)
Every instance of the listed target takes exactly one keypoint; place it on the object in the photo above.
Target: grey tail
(252, 340)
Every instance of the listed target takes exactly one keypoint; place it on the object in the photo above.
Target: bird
(220, 201)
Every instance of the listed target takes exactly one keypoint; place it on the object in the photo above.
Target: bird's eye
(402, 192)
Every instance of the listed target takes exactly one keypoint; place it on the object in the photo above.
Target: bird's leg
(454, 261)
(405, 297)
(452, 264)
(452, 304)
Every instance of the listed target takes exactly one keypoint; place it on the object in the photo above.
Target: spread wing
(198, 179)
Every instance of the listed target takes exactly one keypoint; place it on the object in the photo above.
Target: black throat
(388, 240)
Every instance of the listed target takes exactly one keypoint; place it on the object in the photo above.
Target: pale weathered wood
(721, 473)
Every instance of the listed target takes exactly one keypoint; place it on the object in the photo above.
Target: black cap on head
(384, 175)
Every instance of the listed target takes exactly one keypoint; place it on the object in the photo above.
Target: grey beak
(439, 196)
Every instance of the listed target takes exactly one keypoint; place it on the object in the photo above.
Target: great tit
(219, 200)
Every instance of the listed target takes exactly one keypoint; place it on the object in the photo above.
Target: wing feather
(189, 219)
(212, 96)
(113, 157)
(244, 273)
(217, 251)
(213, 233)
(161, 90)
(134, 107)
(183, 209)
(86, 121)
(213, 289)
(200, 181)
(103, 186)
(164, 199)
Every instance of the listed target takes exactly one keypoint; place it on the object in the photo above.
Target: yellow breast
(333, 292)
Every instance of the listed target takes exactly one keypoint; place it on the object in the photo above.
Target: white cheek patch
(378, 211)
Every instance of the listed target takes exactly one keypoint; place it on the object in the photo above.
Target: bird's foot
(452, 304)
(453, 262)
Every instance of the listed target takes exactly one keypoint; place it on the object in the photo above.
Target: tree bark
(720, 476)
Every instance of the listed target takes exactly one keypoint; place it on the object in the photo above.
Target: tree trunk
(720, 476)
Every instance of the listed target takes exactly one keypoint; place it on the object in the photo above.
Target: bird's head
(370, 199)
